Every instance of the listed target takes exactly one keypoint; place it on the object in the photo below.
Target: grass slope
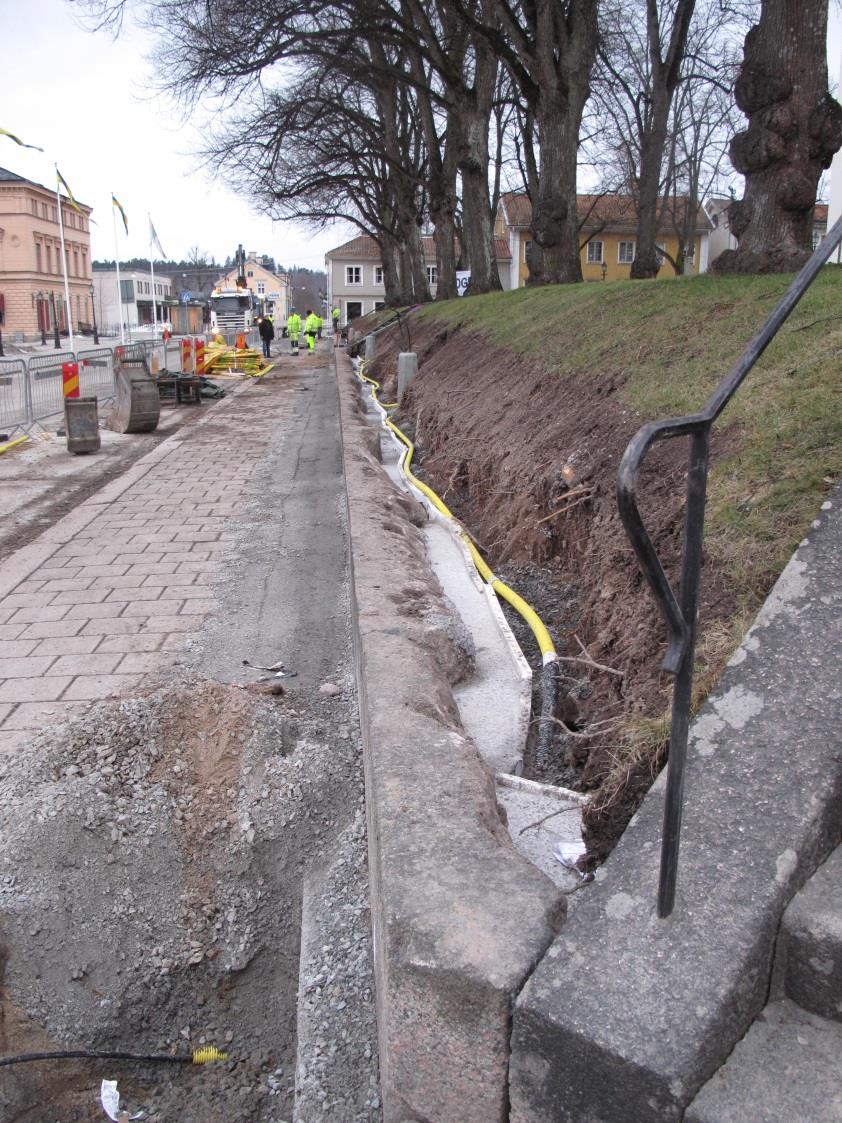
(670, 342)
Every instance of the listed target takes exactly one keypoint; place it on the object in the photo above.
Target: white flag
(154, 241)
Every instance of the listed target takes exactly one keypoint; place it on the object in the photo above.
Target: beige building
(270, 288)
(355, 274)
(30, 258)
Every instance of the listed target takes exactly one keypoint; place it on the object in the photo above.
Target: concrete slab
(545, 824)
(459, 917)
(785, 1070)
(810, 944)
(628, 1015)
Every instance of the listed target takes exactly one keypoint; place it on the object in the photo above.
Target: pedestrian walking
(294, 330)
(311, 327)
(267, 334)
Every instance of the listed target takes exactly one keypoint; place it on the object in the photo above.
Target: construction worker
(294, 330)
(311, 327)
(267, 334)
(336, 316)
(218, 339)
(321, 325)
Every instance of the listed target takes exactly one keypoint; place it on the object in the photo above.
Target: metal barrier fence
(46, 396)
(14, 395)
(31, 390)
(96, 372)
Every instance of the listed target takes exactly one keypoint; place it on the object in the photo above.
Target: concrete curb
(460, 918)
(628, 1015)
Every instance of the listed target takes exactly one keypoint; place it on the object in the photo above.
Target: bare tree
(794, 129)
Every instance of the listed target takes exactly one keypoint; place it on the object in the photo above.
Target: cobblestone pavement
(121, 597)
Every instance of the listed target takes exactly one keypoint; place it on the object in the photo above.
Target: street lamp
(56, 340)
(39, 304)
(93, 313)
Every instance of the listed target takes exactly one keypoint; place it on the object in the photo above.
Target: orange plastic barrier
(187, 356)
(70, 379)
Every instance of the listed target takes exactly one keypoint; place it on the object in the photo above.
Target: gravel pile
(151, 868)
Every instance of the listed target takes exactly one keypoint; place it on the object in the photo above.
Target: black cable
(198, 1056)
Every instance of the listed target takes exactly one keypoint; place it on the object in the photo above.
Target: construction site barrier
(46, 395)
(96, 373)
(14, 395)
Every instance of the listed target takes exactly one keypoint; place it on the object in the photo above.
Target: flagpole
(64, 266)
(154, 302)
(117, 263)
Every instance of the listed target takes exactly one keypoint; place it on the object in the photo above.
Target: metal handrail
(680, 612)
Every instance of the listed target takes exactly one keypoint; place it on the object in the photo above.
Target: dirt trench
(527, 458)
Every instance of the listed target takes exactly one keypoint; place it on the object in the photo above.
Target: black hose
(549, 689)
(199, 1056)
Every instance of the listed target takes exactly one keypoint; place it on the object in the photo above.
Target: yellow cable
(207, 1054)
(13, 444)
(539, 630)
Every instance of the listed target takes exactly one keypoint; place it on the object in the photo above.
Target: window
(126, 291)
(54, 214)
(250, 273)
(49, 260)
(84, 264)
(38, 257)
(43, 210)
(353, 275)
(594, 253)
(76, 262)
(353, 309)
(261, 288)
(432, 274)
(817, 237)
(378, 274)
(625, 253)
(34, 205)
(379, 305)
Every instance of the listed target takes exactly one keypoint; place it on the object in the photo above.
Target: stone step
(810, 943)
(785, 1070)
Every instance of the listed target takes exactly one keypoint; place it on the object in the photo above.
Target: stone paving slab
(112, 592)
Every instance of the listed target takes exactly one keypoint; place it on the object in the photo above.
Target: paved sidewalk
(88, 616)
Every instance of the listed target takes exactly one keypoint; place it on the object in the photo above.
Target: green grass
(670, 342)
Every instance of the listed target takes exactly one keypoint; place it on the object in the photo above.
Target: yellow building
(31, 276)
(608, 226)
(271, 289)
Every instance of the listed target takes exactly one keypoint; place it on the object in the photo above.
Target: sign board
(463, 279)
(185, 296)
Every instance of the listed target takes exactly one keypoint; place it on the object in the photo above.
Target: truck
(234, 310)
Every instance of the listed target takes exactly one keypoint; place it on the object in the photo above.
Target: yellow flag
(116, 203)
(62, 182)
(17, 140)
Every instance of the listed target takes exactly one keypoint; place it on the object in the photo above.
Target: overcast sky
(84, 99)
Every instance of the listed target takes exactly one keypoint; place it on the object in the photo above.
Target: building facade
(607, 235)
(31, 274)
(137, 302)
(355, 274)
(272, 289)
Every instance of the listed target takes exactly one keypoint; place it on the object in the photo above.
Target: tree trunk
(565, 52)
(794, 129)
(477, 220)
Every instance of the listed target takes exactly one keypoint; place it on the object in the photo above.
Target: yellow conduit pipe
(13, 444)
(539, 630)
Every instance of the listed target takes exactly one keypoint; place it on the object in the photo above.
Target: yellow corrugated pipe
(539, 630)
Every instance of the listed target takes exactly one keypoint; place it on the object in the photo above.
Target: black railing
(680, 612)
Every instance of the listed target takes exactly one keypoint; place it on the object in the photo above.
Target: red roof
(598, 212)
(366, 248)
